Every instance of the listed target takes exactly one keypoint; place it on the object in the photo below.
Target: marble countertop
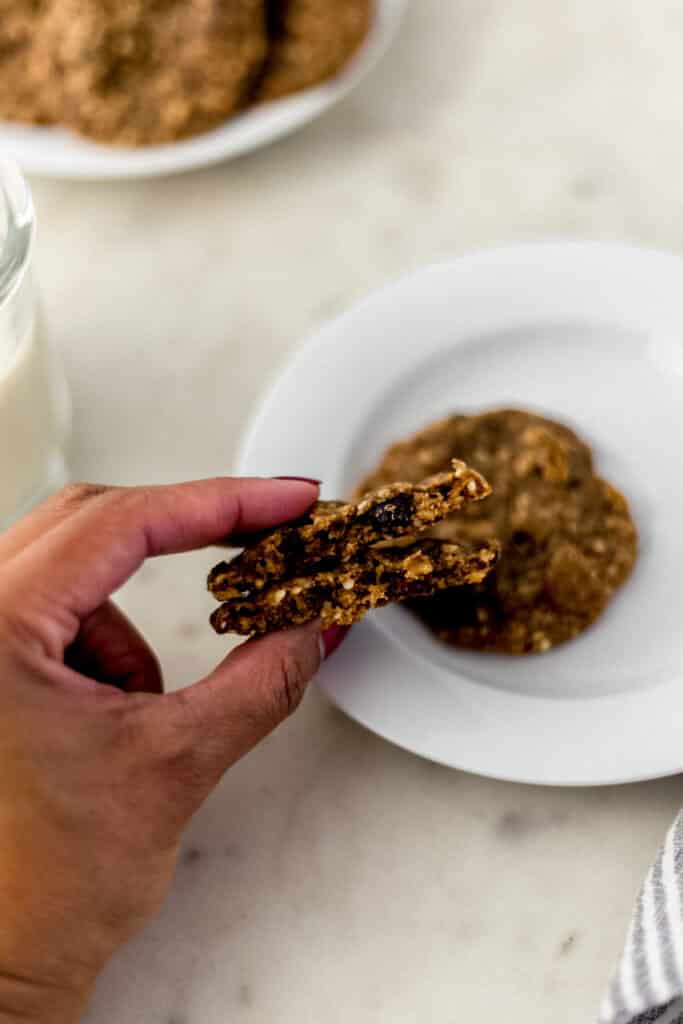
(333, 877)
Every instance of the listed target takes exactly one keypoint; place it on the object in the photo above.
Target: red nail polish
(300, 479)
(333, 637)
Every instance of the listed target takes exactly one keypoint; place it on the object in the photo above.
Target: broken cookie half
(338, 562)
(342, 595)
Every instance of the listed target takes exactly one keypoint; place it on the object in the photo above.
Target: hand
(99, 770)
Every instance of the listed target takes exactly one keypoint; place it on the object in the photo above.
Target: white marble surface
(332, 877)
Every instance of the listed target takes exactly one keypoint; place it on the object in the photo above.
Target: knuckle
(74, 495)
(16, 634)
(288, 686)
(26, 629)
(129, 501)
(122, 497)
(122, 505)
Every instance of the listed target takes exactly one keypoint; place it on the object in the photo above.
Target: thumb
(221, 717)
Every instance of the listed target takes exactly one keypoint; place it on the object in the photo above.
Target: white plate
(54, 153)
(588, 332)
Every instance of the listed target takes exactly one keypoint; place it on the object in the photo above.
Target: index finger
(78, 564)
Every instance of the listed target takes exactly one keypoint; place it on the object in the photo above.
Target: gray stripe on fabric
(662, 924)
(640, 964)
(656, 1013)
(676, 839)
(616, 993)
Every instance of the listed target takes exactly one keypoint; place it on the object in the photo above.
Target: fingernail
(332, 638)
(300, 479)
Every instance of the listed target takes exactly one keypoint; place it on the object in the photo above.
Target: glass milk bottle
(34, 407)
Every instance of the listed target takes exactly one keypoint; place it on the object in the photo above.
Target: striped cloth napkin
(648, 984)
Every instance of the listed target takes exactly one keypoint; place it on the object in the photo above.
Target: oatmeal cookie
(24, 63)
(343, 594)
(136, 72)
(335, 530)
(311, 40)
(568, 538)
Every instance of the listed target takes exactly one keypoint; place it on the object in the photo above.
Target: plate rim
(518, 778)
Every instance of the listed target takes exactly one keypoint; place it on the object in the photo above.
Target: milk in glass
(34, 414)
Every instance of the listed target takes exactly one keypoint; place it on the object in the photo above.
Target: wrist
(46, 971)
(25, 999)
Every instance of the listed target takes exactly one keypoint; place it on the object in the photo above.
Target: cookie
(311, 40)
(24, 63)
(336, 531)
(568, 538)
(343, 594)
(144, 72)
(136, 72)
